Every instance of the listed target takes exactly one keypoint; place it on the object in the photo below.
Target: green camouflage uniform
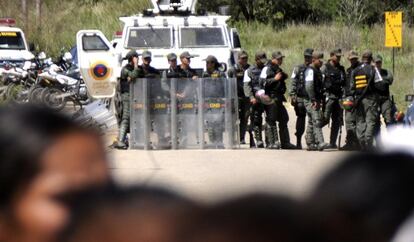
(251, 86)
(276, 111)
(364, 79)
(351, 141)
(385, 102)
(313, 85)
(127, 75)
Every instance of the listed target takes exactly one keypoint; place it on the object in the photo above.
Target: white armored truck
(171, 26)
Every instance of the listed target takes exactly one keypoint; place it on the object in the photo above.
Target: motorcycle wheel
(14, 93)
(35, 95)
(50, 100)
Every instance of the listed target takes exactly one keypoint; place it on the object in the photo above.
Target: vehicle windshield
(11, 41)
(149, 38)
(202, 37)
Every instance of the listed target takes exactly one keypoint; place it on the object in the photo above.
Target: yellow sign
(393, 29)
(8, 34)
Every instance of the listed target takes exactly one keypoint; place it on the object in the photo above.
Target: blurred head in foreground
(129, 215)
(258, 218)
(43, 157)
(366, 198)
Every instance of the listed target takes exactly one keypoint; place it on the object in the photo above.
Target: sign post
(393, 33)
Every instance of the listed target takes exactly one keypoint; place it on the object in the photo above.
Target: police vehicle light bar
(7, 22)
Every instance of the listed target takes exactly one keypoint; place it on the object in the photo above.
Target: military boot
(273, 138)
(285, 139)
(211, 136)
(120, 143)
(258, 136)
(299, 142)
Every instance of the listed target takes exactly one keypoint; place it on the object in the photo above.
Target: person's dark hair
(26, 132)
(366, 197)
(257, 217)
(113, 209)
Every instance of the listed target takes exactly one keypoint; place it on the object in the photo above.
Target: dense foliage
(279, 12)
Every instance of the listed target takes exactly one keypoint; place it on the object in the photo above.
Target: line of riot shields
(184, 114)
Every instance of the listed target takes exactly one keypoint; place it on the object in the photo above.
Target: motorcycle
(17, 79)
(60, 87)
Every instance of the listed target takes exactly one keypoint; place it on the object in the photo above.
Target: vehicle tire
(14, 93)
(48, 97)
(35, 95)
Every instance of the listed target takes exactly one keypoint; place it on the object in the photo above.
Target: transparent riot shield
(184, 114)
(159, 113)
(185, 120)
(139, 124)
(218, 113)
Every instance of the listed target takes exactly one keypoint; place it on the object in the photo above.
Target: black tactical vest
(363, 80)
(278, 88)
(383, 88)
(317, 83)
(334, 79)
(238, 73)
(254, 74)
(300, 81)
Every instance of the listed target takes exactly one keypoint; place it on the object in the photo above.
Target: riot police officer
(146, 70)
(238, 72)
(214, 90)
(273, 81)
(313, 101)
(351, 141)
(251, 87)
(385, 103)
(173, 70)
(156, 94)
(298, 93)
(185, 92)
(364, 79)
(128, 75)
(334, 84)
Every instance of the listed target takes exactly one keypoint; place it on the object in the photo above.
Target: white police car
(13, 45)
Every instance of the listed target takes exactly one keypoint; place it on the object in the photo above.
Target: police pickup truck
(13, 45)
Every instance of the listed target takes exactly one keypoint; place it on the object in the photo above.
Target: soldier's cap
(367, 54)
(130, 54)
(260, 55)
(243, 54)
(308, 52)
(171, 56)
(378, 58)
(336, 52)
(146, 54)
(186, 55)
(211, 58)
(352, 55)
(317, 55)
(277, 55)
